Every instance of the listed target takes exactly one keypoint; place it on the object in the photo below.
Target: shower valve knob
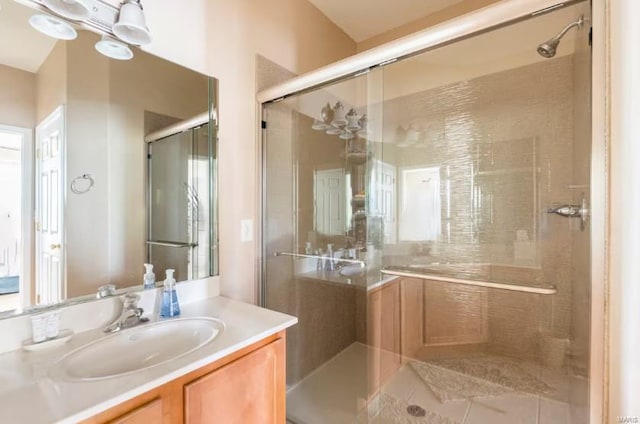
(568, 211)
(573, 211)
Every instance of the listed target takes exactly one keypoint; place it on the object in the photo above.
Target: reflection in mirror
(83, 195)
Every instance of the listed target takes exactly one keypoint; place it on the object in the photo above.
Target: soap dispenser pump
(170, 305)
(149, 279)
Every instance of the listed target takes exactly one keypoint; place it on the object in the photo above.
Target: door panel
(50, 209)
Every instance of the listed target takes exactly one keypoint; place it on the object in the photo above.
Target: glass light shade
(114, 49)
(352, 121)
(339, 118)
(131, 26)
(363, 123)
(78, 10)
(53, 27)
(412, 135)
(401, 136)
(319, 125)
(346, 135)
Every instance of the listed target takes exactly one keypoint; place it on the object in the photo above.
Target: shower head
(549, 47)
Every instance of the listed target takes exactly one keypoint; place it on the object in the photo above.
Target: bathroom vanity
(245, 386)
(236, 376)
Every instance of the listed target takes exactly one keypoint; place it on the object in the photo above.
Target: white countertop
(370, 280)
(29, 395)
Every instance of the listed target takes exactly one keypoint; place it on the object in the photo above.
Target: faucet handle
(106, 290)
(130, 300)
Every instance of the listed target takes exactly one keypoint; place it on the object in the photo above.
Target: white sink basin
(138, 348)
(352, 270)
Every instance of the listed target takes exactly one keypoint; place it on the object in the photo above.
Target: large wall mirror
(105, 165)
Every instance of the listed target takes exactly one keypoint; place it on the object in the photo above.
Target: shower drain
(416, 411)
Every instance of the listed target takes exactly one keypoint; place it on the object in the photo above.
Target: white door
(50, 142)
(386, 199)
(330, 209)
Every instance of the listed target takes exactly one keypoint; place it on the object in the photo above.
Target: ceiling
(363, 19)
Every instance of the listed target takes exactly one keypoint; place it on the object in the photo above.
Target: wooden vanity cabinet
(245, 386)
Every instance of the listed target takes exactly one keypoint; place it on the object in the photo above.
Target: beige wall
(52, 82)
(426, 22)
(222, 39)
(17, 97)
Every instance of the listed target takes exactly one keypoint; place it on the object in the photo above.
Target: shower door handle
(170, 244)
(300, 255)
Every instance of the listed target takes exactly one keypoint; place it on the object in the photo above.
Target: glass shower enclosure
(427, 222)
(181, 175)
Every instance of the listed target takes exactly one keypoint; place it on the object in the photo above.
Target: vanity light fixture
(131, 26)
(53, 27)
(77, 10)
(113, 48)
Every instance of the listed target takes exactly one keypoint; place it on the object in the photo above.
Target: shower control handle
(568, 211)
(573, 211)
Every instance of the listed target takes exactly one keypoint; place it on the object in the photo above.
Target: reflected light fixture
(113, 48)
(131, 26)
(77, 10)
(334, 121)
(53, 27)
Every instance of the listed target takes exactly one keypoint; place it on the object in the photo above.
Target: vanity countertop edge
(29, 383)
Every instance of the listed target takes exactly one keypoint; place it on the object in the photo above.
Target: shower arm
(577, 24)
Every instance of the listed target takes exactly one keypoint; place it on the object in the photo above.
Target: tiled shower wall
(530, 106)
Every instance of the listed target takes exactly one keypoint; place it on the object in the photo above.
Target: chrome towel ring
(77, 185)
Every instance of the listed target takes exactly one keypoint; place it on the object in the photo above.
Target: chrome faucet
(130, 316)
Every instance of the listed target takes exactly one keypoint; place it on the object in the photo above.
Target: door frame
(26, 210)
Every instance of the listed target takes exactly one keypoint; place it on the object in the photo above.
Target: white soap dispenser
(170, 305)
(149, 278)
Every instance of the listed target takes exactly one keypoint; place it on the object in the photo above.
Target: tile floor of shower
(332, 394)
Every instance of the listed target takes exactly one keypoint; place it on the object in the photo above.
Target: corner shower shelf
(519, 287)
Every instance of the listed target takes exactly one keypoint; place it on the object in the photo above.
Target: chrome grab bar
(300, 255)
(548, 289)
(170, 243)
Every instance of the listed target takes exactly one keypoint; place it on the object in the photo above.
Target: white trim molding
(624, 254)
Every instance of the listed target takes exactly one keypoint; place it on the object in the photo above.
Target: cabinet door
(248, 390)
(147, 413)
(454, 314)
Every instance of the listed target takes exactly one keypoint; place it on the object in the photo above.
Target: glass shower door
(179, 206)
(486, 150)
(317, 238)
(437, 254)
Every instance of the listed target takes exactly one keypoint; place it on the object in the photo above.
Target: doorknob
(55, 246)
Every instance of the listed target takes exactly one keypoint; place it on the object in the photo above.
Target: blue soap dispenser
(170, 306)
